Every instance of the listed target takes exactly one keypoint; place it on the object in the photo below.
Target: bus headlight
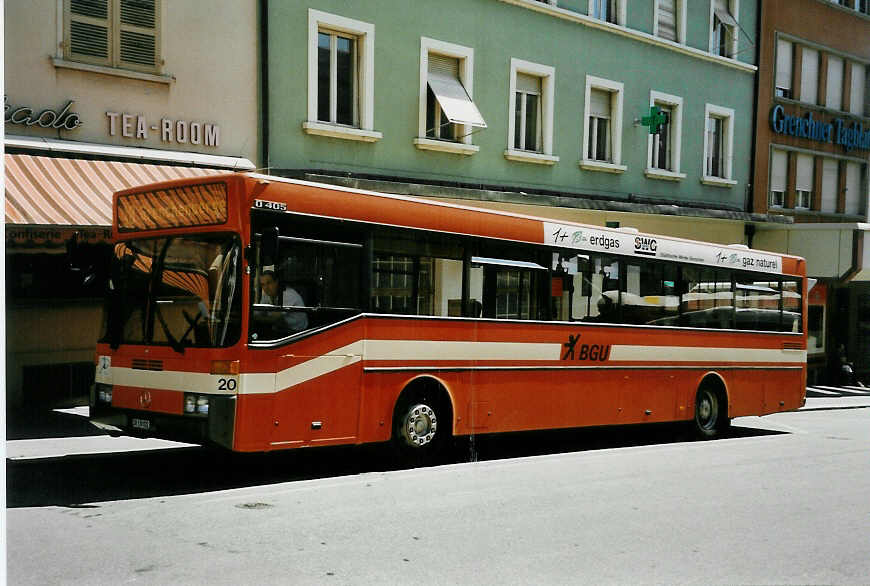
(196, 404)
(103, 393)
(202, 405)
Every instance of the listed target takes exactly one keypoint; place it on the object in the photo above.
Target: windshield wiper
(190, 320)
(173, 343)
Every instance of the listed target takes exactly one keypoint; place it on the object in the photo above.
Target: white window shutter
(667, 19)
(778, 171)
(531, 84)
(599, 103)
(830, 183)
(853, 188)
(783, 64)
(856, 94)
(804, 179)
(809, 76)
(834, 90)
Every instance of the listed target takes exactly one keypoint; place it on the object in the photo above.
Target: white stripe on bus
(406, 350)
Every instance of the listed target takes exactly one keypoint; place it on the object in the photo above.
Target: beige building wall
(210, 75)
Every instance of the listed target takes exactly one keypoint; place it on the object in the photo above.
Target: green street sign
(655, 120)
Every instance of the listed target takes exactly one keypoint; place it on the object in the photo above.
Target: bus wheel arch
(710, 417)
(422, 423)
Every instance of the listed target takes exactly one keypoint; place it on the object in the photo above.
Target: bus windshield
(180, 291)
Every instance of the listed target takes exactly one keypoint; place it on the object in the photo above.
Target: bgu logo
(645, 245)
(592, 352)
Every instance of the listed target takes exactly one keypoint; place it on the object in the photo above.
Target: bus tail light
(225, 367)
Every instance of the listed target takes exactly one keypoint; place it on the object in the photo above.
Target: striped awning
(48, 191)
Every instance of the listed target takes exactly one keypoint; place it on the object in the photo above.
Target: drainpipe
(754, 146)
(264, 82)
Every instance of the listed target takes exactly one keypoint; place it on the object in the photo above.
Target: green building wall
(498, 31)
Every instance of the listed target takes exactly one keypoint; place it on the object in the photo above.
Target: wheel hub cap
(420, 425)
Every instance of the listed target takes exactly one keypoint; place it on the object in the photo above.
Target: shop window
(33, 276)
(114, 33)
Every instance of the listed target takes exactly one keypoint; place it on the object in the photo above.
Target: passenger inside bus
(274, 293)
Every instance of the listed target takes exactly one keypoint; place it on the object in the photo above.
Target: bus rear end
(166, 366)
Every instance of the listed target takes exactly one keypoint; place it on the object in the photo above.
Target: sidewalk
(67, 432)
(828, 403)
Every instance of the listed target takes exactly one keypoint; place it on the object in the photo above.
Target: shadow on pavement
(73, 481)
(46, 423)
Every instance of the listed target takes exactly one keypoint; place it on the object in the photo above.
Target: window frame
(364, 35)
(620, 12)
(734, 7)
(616, 90)
(776, 62)
(727, 116)
(675, 138)
(547, 75)
(465, 55)
(679, 14)
(112, 63)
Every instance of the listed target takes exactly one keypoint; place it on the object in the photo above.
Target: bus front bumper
(215, 428)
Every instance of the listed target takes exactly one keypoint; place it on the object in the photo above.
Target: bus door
(304, 291)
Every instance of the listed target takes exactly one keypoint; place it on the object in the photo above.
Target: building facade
(812, 152)
(101, 95)
(529, 106)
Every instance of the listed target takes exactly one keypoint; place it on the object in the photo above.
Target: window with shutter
(804, 180)
(809, 76)
(778, 176)
(138, 33)
(784, 50)
(89, 26)
(114, 33)
(830, 184)
(667, 19)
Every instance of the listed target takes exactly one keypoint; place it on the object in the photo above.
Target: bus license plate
(142, 424)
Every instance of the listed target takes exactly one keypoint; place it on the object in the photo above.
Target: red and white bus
(260, 313)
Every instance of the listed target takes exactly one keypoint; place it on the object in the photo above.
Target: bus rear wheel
(711, 417)
(421, 425)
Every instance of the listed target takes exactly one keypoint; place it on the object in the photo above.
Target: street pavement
(781, 499)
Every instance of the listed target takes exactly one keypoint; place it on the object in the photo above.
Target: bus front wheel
(711, 413)
(421, 425)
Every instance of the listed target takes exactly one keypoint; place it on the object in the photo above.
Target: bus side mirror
(269, 245)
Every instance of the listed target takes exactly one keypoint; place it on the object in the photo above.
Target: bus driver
(273, 294)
